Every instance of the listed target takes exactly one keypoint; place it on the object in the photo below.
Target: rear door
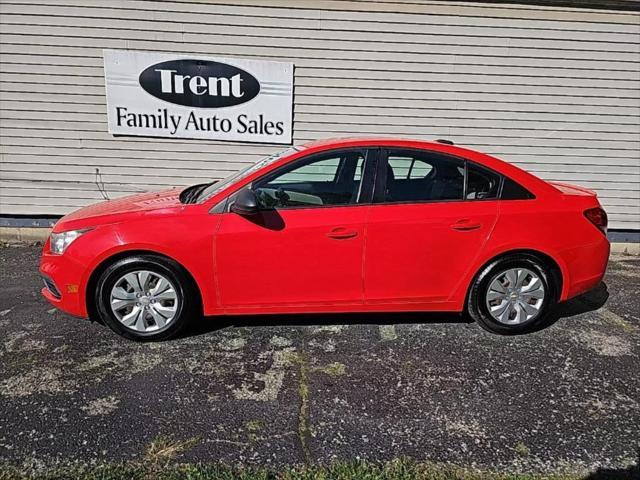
(431, 216)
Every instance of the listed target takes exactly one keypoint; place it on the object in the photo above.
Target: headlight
(60, 241)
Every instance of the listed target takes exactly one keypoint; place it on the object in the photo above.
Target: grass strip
(358, 470)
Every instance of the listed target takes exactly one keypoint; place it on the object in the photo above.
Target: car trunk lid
(569, 189)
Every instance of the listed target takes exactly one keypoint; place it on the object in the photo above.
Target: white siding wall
(555, 90)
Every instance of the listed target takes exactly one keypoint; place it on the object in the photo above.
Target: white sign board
(185, 96)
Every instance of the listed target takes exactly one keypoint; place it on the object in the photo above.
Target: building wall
(555, 90)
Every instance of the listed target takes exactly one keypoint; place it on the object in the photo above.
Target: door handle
(465, 225)
(341, 233)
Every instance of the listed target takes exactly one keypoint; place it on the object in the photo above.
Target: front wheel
(512, 295)
(145, 297)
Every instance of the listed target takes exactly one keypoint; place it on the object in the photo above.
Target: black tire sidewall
(114, 272)
(479, 310)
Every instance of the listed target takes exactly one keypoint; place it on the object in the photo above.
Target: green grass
(396, 470)
(521, 449)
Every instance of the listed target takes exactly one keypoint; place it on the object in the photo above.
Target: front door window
(328, 180)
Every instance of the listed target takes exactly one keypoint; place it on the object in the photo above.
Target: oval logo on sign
(199, 83)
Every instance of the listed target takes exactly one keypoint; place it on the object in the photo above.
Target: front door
(305, 248)
(427, 227)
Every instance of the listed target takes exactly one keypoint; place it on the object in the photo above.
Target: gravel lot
(282, 390)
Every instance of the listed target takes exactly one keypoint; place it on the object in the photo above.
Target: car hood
(113, 210)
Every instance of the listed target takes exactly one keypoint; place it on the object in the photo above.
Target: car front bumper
(62, 276)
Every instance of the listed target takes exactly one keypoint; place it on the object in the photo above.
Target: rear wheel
(145, 297)
(512, 295)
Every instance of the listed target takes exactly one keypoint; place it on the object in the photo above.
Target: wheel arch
(104, 264)
(556, 271)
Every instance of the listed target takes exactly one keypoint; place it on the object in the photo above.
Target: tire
(485, 295)
(146, 298)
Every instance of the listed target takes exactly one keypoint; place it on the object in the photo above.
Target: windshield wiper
(190, 194)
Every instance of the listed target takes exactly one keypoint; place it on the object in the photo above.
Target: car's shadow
(587, 302)
(630, 472)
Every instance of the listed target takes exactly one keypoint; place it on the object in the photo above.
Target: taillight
(598, 217)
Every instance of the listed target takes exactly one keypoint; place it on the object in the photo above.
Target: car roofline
(530, 181)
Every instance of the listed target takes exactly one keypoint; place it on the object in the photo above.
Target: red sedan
(351, 225)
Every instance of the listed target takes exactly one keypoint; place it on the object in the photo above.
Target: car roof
(338, 142)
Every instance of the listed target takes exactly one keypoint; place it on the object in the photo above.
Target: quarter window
(514, 191)
(481, 183)
(332, 179)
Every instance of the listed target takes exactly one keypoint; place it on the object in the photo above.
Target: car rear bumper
(62, 277)
(586, 266)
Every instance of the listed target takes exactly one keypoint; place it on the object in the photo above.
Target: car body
(323, 240)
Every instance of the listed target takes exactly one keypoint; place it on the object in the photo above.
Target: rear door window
(415, 176)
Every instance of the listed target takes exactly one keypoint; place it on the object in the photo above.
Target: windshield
(217, 187)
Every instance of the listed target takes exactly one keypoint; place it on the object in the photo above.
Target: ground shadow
(587, 302)
(631, 472)
(210, 324)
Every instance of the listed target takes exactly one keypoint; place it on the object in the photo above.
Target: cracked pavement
(279, 390)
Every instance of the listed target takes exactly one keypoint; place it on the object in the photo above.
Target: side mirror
(246, 203)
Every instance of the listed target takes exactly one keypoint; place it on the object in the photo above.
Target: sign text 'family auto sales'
(167, 95)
